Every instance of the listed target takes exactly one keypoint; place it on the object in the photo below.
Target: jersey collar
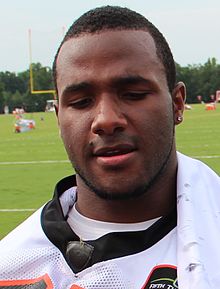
(80, 254)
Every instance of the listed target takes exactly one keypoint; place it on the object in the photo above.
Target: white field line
(34, 162)
(17, 210)
(206, 157)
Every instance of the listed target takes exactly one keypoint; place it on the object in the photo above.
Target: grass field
(32, 162)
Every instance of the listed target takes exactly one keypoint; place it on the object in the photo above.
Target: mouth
(114, 156)
(121, 149)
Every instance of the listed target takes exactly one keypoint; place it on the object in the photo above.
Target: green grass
(28, 186)
(199, 135)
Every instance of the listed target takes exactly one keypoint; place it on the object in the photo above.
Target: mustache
(111, 141)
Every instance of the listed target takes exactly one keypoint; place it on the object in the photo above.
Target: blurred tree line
(200, 80)
(15, 89)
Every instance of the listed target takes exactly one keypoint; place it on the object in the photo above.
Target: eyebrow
(130, 79)
(75, 87)
(117, 81)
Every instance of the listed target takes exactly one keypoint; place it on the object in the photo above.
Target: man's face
(115, 111)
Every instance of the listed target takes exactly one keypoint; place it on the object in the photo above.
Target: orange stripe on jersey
(76, 287)
(42, 282)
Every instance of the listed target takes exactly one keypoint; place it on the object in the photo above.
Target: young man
(137, 214)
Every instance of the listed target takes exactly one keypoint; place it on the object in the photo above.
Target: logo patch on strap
(43, 282)
(162, 277)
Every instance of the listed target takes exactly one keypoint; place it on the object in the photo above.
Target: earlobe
(179, 96)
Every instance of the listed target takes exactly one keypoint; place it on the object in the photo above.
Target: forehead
(115, 52)
(115, 41)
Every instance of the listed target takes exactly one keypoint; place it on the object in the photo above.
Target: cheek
(157, 122)
(165, 126)
(73, 133)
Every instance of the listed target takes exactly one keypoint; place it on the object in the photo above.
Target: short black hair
(119, 18)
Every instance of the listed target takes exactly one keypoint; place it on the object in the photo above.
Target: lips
(116, 150)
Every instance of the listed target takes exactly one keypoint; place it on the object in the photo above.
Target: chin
(120, 192)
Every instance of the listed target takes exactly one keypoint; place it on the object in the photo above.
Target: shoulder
(26, 253)
(197, 180)
(190, 167)
(27, 234)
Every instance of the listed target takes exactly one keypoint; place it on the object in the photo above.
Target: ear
(179, 97)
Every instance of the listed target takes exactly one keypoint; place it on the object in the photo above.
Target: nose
(108, 118)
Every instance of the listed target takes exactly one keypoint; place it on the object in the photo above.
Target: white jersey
(44, 252)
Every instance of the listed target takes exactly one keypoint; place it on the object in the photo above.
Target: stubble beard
(136, 192)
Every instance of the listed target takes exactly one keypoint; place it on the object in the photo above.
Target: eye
(81, 103)
(135, 95)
